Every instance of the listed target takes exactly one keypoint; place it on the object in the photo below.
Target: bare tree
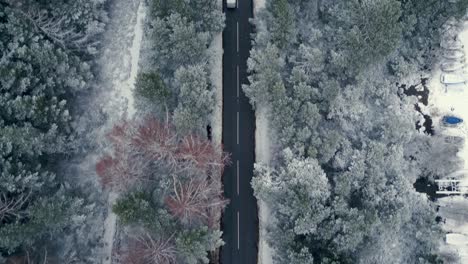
(200, 153)
(147, 250)
(158, 141)
(194, 199)
(124, 170)
(126, 167)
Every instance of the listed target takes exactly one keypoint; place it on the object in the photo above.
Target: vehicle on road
(451, 78)
(231, 3)
(451, 121)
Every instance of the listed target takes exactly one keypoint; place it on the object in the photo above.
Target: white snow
(127, 90)
(263, 156)
(262, 137)
(109, 229)
(257, 5)
(216, 77)
(453, 100)
(119, 70)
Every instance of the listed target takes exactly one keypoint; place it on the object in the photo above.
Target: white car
(231, 3)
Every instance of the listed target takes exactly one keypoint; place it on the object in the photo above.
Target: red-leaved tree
(125, 167)
(195, 163)
(158, 141)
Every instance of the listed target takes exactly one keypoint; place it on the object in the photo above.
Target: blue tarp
(452, 120)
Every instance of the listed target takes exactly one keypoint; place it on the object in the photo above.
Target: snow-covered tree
(39, 80)
(195, 98)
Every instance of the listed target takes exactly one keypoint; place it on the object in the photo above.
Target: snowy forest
(106, 131)
(346, 148)
(45, 68)
(74, 154)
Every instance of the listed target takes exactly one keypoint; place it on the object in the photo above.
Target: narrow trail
(135, 57)
(118, 75)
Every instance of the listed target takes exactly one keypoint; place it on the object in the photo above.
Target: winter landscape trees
(48, 60)
(340, 185)
(44, 66)
(167, 173)
(179, 33)
(340, 188)
(170, 191)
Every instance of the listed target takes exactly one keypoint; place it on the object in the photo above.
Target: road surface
(240, 221)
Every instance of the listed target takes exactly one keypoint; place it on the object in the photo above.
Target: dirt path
(119, 68)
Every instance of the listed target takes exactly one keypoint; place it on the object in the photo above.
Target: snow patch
(263, 156)
(127, 90)
(262, 139)
(257, 5)
(216, 77)
(109, 228)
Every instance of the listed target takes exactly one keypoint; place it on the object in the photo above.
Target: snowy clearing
(452, 101)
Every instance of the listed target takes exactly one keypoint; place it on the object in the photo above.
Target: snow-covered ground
(452, 100)
(257, 5)
(262, 155)
(127, 89)
(216, 77)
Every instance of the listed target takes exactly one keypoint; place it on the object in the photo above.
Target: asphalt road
(240, 221)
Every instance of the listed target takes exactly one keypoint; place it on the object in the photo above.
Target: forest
(340, 185)
(45, 66)
(160, 163)
(346, 148)
(167, 171)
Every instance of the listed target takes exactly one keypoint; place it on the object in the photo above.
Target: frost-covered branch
(9, 207)
(57, 29)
